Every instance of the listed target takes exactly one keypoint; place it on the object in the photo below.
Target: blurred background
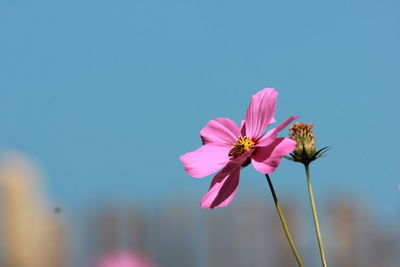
(98, 99)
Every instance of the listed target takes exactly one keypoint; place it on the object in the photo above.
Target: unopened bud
(305, 151)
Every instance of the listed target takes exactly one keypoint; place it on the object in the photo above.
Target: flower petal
(260, 112)
(206, 160)
(270, 136)
(220, 131)
(223, 188)
(242, 128)
(266, 159)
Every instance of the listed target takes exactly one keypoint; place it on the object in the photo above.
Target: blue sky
(106, 95)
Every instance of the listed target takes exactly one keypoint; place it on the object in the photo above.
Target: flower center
(242, 145)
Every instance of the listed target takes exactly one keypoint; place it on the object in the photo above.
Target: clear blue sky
(106, 95)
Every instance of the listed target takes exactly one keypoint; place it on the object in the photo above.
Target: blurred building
(173, 235)
(343, 219)
(33, 235)
(241, 237)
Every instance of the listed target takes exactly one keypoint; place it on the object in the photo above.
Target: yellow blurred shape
(33, 235)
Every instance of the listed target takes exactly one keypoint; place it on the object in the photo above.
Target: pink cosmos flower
(123, 259)
(228, 147)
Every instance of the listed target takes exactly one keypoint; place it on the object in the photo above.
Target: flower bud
(305, 151)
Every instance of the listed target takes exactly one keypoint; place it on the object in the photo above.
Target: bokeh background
(98, 99)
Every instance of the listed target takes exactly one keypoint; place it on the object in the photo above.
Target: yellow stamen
(242, 145)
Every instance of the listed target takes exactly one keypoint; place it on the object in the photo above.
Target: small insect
(57, 210)
(237, 151)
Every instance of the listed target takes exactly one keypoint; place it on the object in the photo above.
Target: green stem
(316, 223)
(283, 221)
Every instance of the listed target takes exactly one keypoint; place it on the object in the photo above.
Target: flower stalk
(284, 224)
(315, 216)
(306, 153)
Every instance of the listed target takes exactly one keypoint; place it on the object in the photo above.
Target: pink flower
(229, 147)
(122, 259)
